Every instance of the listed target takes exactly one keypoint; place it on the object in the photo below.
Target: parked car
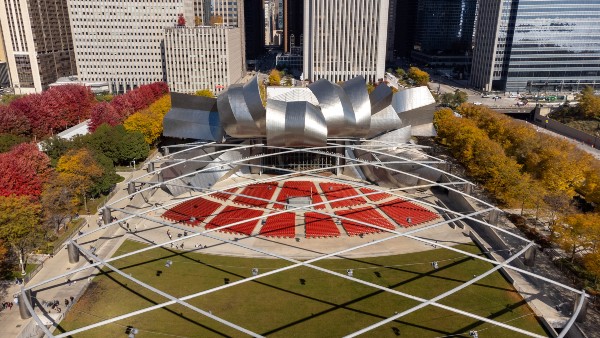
(486, 95)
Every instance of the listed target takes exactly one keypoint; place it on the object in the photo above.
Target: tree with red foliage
(75, 102)
(35, 108)
(104, 112)
(23, 171)
(123, 105)
(13, 121)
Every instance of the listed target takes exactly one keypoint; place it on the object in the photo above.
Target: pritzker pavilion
(314, 174)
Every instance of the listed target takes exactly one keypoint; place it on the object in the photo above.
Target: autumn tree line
(41, 190)
(522, 168)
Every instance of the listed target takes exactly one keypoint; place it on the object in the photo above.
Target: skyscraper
(206, 51)
(122, 41)
(390, 53)
(254, 22)
(444, 31)
(528, 45)
(345, 38)
(293, 19)
(404, 31)
(39, 47)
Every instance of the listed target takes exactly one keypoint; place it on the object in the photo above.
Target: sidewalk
(106, 242)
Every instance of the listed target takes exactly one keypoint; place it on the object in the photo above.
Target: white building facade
(208, 51)
(37, 37)
(345, 38)
(121, 41)
(203, 58)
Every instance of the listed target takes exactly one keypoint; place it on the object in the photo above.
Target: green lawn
(300, 302)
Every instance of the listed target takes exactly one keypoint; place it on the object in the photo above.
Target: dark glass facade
(539, 45)
(404, 33)
(445, 26)
(254, 19)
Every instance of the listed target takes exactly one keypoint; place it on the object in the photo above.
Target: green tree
(104, 97)
(7, 141)
(460, 97)
(275, 78)
(55, 147)
(20, 225)
(447, 99)
(118, 144)
(205, 93)
(420, 77)
(400, 73)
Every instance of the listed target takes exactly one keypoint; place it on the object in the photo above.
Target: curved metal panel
(357, 93)
(383, 121)
(295, 124)
(193, 117)
(241, 111)
(412, 98)
(254, 103)
(380, 98)
(336, 107)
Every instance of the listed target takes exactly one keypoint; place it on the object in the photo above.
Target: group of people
(434, 265)
(7, 305)
(54, 305)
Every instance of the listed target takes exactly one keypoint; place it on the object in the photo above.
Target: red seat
(192, 212)
(282, 225)
(367, 215)
(264, 191)
(374, 197)
(231, 215)
(224, 195)
(337, 191)
(318, 225)
(402, 211)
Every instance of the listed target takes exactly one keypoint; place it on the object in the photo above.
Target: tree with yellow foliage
(205, 93)
(79, 167)
(20, 225)
(59, 200)
(578, 233)
(420, 77)
(275, 78)
(149, 121)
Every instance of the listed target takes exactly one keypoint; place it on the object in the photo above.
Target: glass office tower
(445, 26)
(533, 45)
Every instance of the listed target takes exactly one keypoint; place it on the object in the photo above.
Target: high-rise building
(530, 46)
(345, 38)
(203, 57)
(4, 78)
(404, 31)
(390, 53)
(444, 31)
(37, 37)
(122, 41)
(254, 25)
(293, 19)
(206, 56)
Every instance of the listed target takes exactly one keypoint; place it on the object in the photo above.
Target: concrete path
(106, 242)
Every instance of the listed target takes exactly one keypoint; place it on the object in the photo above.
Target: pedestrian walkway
(106, 242)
